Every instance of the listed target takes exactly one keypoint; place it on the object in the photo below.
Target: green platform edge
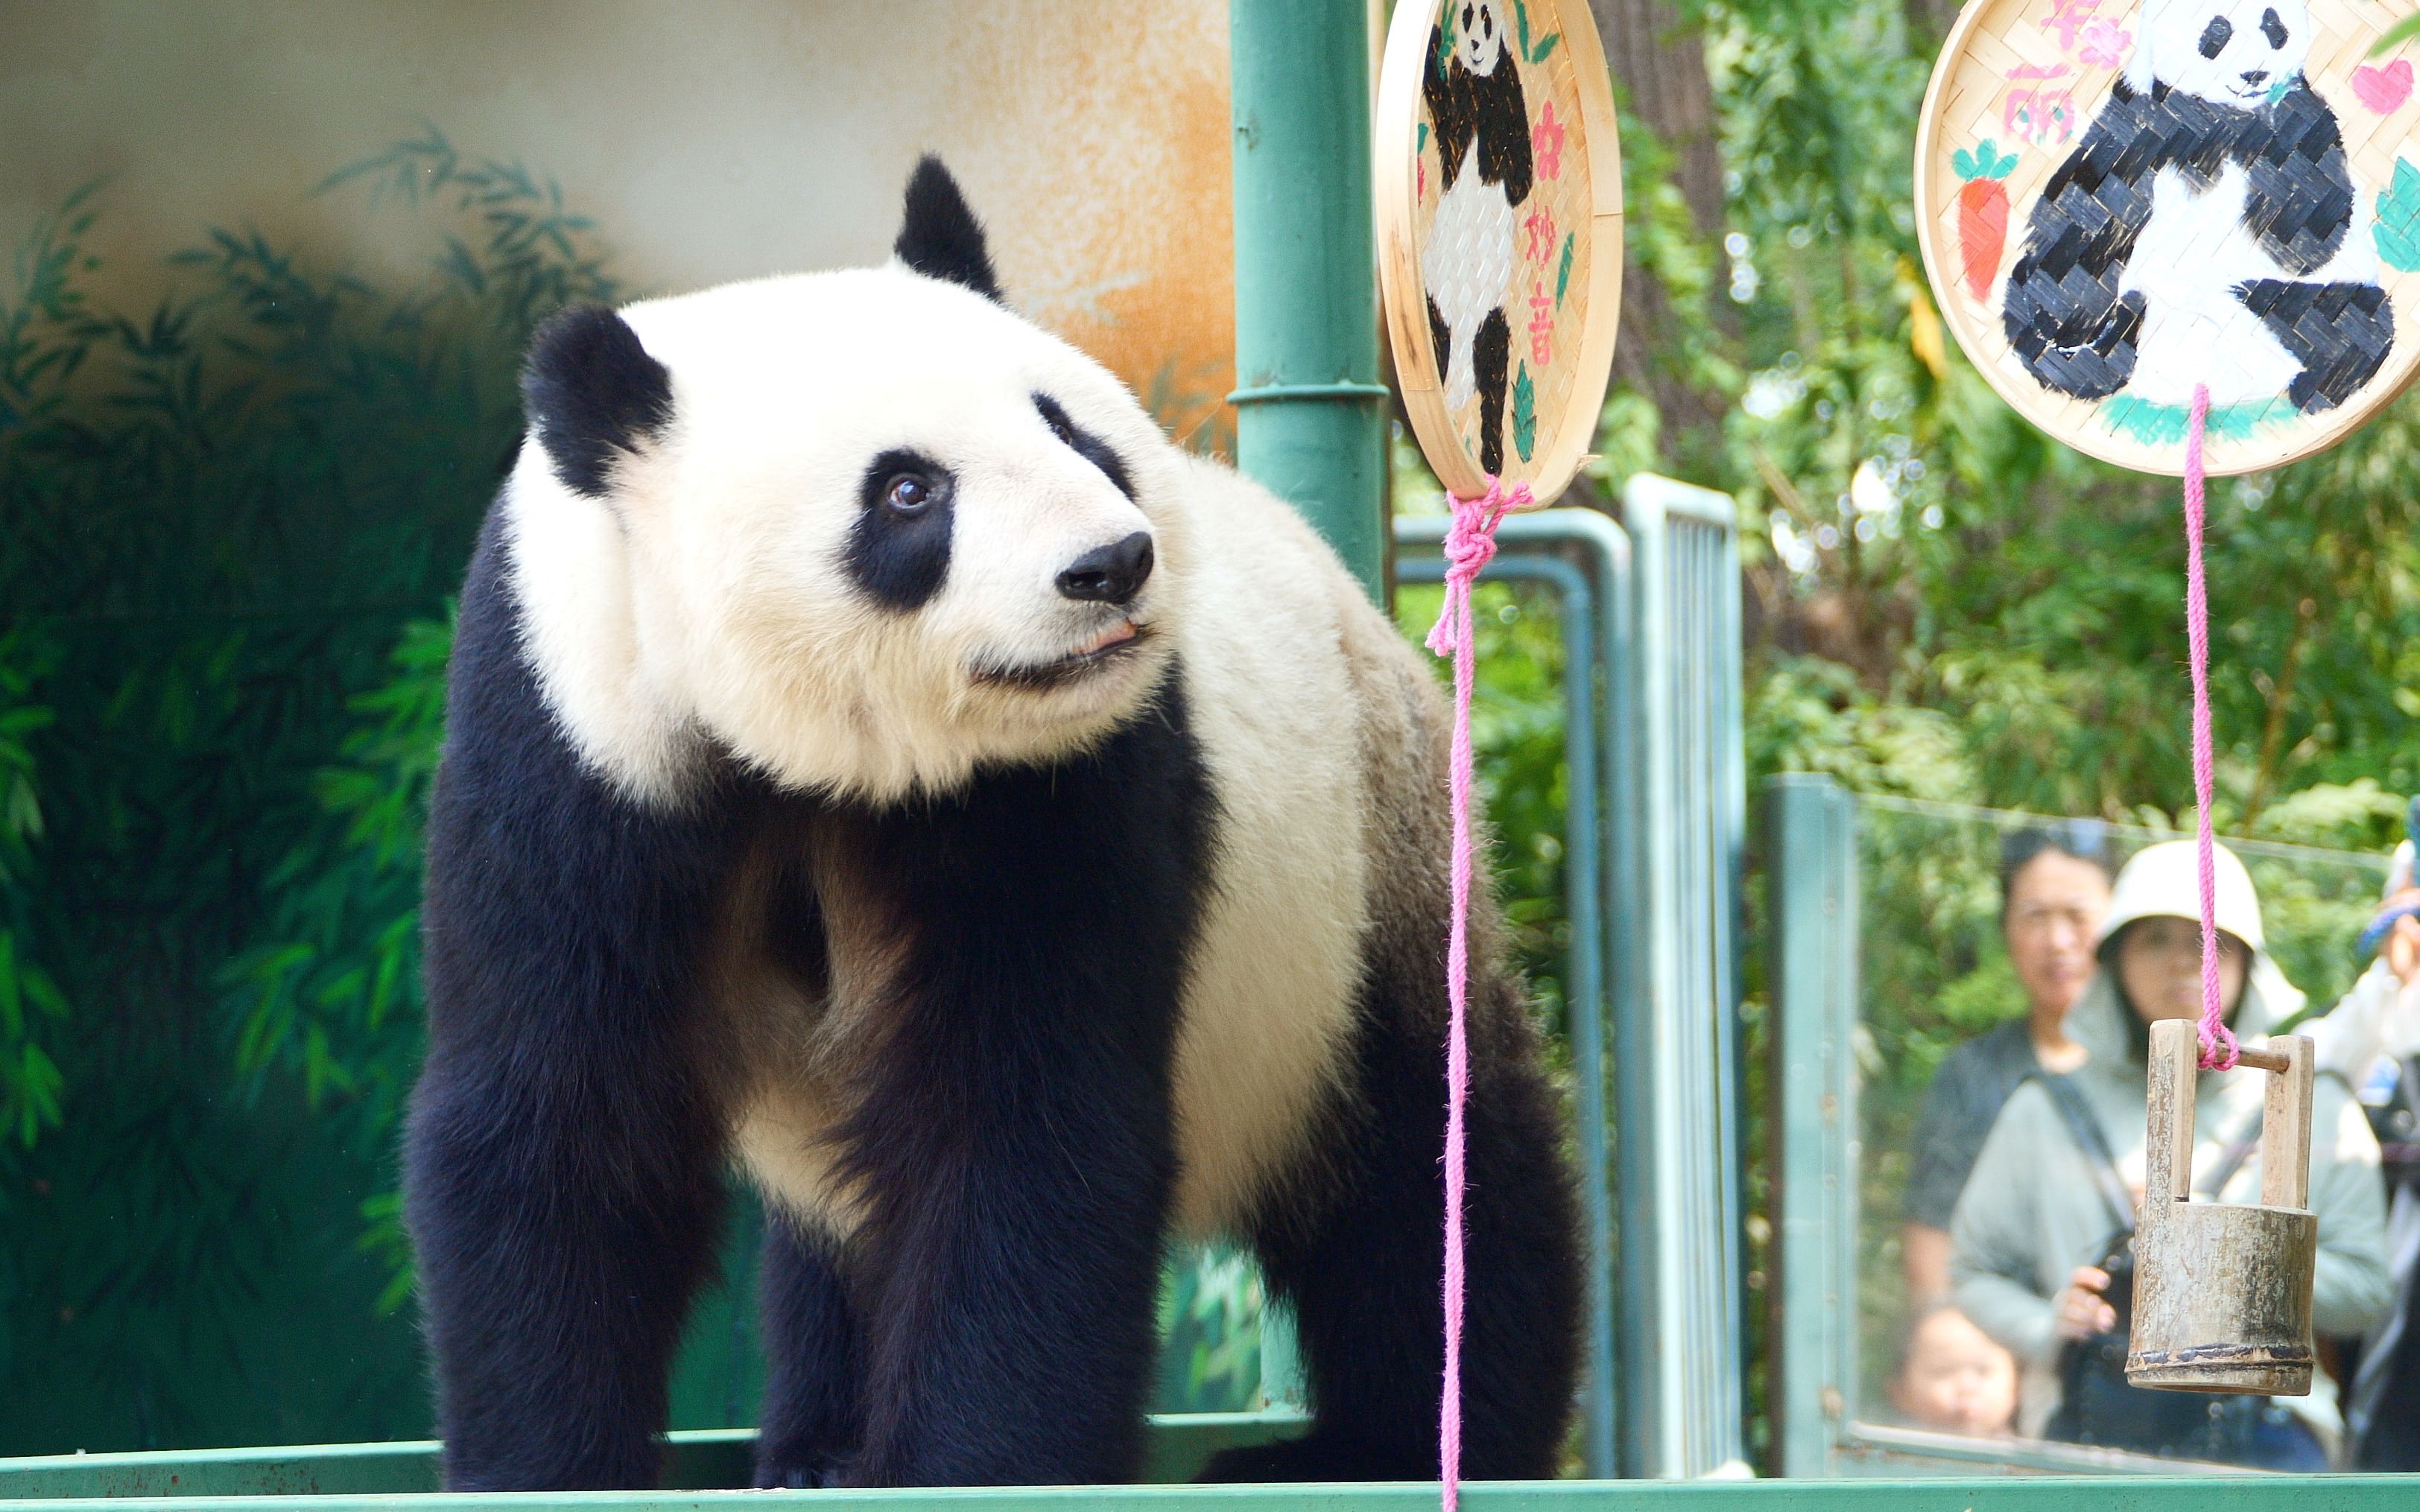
(400, 1477)
(716, 1460)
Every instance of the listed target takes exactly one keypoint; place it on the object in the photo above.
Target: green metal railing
(1682, 1332)
(1811, 892)
(1585, 558)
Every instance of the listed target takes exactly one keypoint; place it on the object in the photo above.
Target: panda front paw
(814, 1474)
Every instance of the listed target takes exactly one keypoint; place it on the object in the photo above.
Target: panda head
(2230, 53)
(862, 531)
(1479, 35)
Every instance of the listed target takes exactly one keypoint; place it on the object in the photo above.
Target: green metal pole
(1310, 422)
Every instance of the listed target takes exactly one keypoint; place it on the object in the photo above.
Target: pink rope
(2218, 1050)
(1470, 544)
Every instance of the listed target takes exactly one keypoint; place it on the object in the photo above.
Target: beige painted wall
(711, 139)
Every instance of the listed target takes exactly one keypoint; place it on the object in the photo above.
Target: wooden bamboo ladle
(2223, 1290)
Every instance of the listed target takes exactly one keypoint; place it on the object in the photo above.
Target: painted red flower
(1546, 143)
(2106, 43)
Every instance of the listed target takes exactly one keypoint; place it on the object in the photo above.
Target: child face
(1957, 1380)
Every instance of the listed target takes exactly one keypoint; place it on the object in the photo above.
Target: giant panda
(2205, 231)
(877, 759)
(1472, 87)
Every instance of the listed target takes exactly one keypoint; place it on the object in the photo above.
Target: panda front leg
(1363, 1266)
(1011, 1136)
(1011, 1271)
(563, 1212)
(562, 1157)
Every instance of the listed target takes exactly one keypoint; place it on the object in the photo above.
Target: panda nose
(1109, 574)
(2256, 77)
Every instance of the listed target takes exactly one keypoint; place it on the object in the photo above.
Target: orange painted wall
(711, 139)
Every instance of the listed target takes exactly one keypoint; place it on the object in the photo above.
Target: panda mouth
(1114, 644)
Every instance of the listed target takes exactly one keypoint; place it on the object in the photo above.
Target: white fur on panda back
(1274, 704)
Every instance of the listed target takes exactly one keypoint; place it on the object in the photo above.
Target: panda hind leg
(1441, 336)
(811, 1422)
(1362, 1263)
(1492, 349)
(2342, 334)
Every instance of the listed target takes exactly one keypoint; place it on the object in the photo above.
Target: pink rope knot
(2218, 1047)
(1469, 546)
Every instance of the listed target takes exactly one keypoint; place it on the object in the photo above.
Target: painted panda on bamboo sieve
(876, 756)
(2206, 230)
(1472, 87)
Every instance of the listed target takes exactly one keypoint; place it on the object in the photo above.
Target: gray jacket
(2034, 1210)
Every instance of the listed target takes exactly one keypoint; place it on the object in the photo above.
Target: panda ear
(940, 236)
(590, 391)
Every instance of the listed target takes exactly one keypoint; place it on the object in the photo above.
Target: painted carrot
(1982, 214)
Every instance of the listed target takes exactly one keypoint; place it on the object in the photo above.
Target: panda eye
(2214, 38)
(1056, 419)
(2273, 29)
(908, 494)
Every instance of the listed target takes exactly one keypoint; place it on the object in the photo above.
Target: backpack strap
(2086, 1129)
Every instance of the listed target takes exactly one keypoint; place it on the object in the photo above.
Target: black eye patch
(899, 548)
(1085, 444)
(2273, 30)
(2215, 37)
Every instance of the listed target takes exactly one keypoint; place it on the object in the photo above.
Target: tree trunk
(1659, 66)
(1659, 61)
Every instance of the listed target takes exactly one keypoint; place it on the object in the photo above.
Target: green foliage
(1983, 163)
(1544, 47)
(1210, 1318)
(32, 1009)
(226, 525)
(331, 999)
(1945, 602)
(1525, 413)
(2398, 231)
(2396, 36)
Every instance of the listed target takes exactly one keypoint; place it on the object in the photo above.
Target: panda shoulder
(2308, 119)
(1237, 517)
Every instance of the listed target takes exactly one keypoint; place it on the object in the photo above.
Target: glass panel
(1937, 975)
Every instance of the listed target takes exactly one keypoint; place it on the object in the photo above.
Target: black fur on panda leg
(1492, 349)
(1365, 1273)
(1441, 337)
(2342, 334)
(562, 1162)
(810, 1424)
(1015, 1140)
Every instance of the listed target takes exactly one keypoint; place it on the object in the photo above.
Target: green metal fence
(1678, 1127)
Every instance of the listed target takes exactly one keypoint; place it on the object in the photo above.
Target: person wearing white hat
(2050, 1205)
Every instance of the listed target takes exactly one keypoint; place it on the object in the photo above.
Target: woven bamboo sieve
(1562, 299)
(2000, 49)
